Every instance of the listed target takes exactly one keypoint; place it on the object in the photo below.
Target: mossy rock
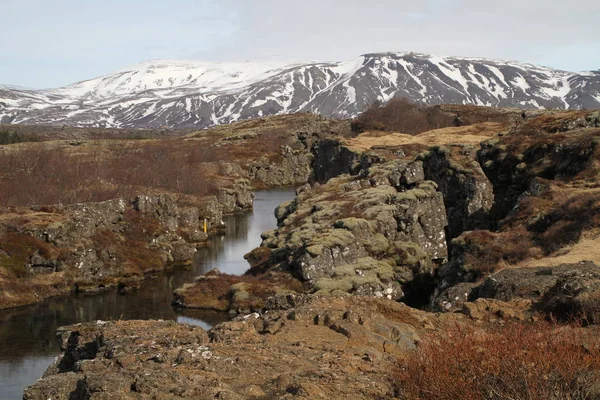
(334, 238)
(365, 272)
(315, 250)
(285, 209)
(383, 211)
(459, 168)
(409, 254)
(377, 244)
(328, 285)
(239, 297)
(351, 223)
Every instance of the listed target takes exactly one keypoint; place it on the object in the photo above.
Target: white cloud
(67, 40)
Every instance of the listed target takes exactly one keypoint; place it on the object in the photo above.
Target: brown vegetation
(400, 115)
(35, 133)
(518, 361)
(16, 250)
(472, 134)
(44, 174)
(83, 170)
(223, 292)
(543, 226)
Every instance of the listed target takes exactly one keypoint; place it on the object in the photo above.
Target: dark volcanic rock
(468, 194)
(566, 291)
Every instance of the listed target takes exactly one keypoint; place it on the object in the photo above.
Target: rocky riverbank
(154, 219)
(409, 217)
(476, 227)
(95, 246)
(300, 347)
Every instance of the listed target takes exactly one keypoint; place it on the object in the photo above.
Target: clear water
(28, 342)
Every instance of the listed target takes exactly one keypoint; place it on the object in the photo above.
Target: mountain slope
(200, 94)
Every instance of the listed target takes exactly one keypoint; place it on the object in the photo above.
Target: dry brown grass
(54, 172)
(587, 248)
(67, 171)
(519, 361)
(217, 292)
(16, 250)
(472, 134)
(560, 226)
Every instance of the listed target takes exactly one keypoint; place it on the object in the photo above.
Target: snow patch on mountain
(202, 94)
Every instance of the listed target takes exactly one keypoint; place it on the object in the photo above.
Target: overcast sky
(50, 43)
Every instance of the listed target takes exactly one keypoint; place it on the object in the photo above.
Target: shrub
(485, 250)
(16, 250)
(400, 115)
(8, 137)
(519, 361)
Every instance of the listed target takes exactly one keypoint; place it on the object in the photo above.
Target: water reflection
(28, 334)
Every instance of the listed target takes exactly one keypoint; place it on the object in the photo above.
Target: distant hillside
(191, 94)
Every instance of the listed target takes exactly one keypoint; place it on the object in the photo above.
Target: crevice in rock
(418, 293)
(75, 352)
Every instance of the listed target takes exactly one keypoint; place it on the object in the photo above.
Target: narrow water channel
(28, 334)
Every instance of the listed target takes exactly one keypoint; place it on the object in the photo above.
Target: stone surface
(330, 348)
(566, 291)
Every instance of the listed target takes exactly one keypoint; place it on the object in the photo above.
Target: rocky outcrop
(292, 170)
(468, 194)
(94, 246)
(369, 234)
(567, 291)
(331, 158)
(236, 198)
(236, 294)
(559, 149)
(312, 348)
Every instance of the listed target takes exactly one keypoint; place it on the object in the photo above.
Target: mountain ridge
(185, 94)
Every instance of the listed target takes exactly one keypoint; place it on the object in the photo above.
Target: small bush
(518, 361)
(400, 115)
(484, 250)
(8, 137)
(16, 251)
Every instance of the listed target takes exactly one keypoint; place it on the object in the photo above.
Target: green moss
(408, 254)
(365, 272)
(376, 244)
(239, 292)
(459, 168)
(315, 250)
(335, 238)
(327, 285)
(350, 223)
(380, 212)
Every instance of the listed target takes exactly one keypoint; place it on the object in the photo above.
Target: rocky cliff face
(543, 177)
(412, 220)
(94, 246)
(566, 291)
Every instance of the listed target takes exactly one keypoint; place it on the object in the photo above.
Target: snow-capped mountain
(201, 94)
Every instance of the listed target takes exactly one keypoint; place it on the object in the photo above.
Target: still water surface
(28, 334)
